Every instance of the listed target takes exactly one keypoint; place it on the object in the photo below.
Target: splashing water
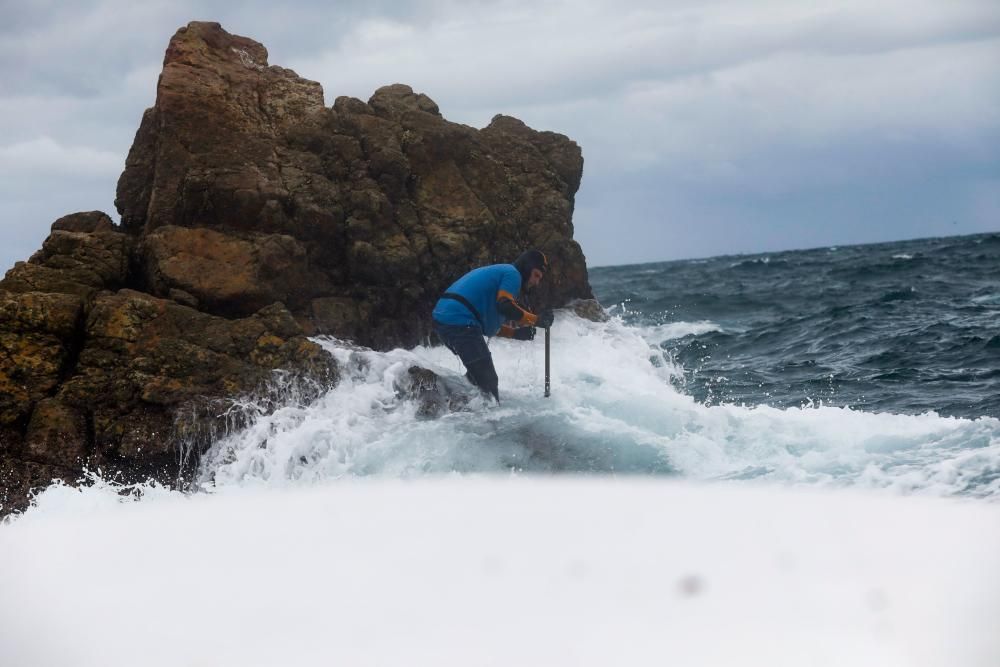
(617, 407)
(305, 546)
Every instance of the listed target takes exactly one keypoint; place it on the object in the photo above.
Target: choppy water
(867, 367)
(904, 327)
(860, 368)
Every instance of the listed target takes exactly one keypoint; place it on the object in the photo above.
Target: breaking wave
(617, 407)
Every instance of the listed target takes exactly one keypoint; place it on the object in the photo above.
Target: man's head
(532, 265)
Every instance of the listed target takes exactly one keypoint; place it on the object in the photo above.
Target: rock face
(98, 375)
(245, 189)
(252, 216)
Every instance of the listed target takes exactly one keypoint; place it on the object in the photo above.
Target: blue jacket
(484, 288)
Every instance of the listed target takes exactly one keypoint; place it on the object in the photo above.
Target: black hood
(531, 259)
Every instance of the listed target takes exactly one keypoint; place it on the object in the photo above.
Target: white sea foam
(750, 262)
(615, 408)
(673, 330)
(986, 298)
(307, 548)
(493, 571)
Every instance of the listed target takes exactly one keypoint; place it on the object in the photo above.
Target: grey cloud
(552, 55)
(706, 127)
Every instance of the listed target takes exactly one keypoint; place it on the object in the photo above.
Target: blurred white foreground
(520, 571)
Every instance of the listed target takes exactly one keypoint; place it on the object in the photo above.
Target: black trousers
(468, 343)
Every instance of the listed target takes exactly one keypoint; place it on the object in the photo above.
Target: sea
(872, 366)
(869, 366)
(803, 446)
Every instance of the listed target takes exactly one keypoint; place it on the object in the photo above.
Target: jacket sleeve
(513, 312)
(507, 303)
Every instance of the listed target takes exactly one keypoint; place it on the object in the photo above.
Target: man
(479, 304)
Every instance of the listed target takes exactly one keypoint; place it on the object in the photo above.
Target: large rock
(132, 385)
(232, 274)
(98, 375)
(381, 204)
(38, 342)
(75, 262)
(253, 216)
(147, 357)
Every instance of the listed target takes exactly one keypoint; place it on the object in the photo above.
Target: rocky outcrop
(244, 189)
(123, 381)
(253, 216)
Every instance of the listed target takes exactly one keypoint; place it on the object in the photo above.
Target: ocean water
(906, 328)
(867, 366)
(870, 367)
(738, 447)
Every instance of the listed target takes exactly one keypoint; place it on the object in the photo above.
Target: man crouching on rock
(480, 303)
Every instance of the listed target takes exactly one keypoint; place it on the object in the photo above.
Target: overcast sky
(707, 127)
